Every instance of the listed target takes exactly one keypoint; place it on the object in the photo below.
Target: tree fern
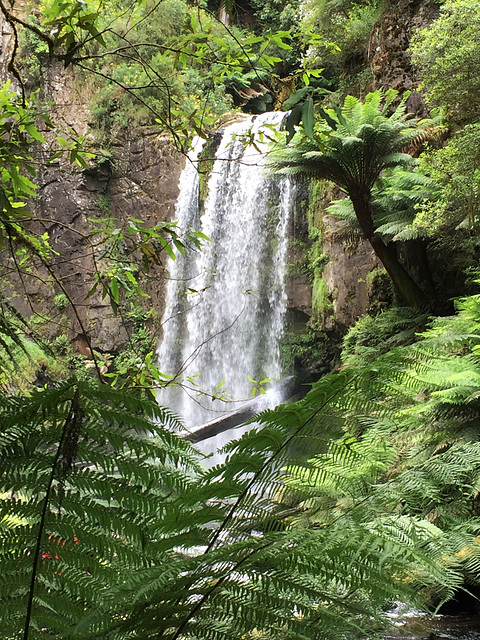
(352, 147)
(295, 566)
(86, 472)
(395, 197)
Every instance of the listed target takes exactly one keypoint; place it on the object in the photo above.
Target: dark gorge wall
(138, 180)
(388, 47)
(133, 173)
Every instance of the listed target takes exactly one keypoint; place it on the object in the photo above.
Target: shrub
(447, 56)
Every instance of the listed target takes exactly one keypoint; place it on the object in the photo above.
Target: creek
(415, 625)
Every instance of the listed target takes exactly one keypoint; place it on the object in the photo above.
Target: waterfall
(226, 303)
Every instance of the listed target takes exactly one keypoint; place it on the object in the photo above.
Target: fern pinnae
(71, 416)
(329, 394)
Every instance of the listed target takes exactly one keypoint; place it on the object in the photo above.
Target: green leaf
(293, 119)
(278, 41)
(35, 133)
(295, 98)
(3, 199)
(115, 290)
(330, 121)
(308, 117)
(92, 290)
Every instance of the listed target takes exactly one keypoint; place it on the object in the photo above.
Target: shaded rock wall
(140, 181)
(346, 276)
(340, 282)
(137, 178)
(388, 48)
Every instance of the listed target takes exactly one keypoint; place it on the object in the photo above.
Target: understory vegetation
(332, 508)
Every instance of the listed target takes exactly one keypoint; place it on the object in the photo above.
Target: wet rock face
(346, 276)
(388, 50)
(137, 179)
(140, 181)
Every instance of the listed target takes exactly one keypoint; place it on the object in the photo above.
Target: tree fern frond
(98, 512)
(137, 541)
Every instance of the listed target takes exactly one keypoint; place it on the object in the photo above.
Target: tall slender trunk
(405, 285)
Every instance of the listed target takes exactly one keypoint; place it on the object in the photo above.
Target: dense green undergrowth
(363, 493)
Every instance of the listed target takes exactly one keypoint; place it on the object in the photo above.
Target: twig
(73, 408)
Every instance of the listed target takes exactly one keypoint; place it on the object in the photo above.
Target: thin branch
(12, 19)
(38, 547)
(145, 17)
(23, 239)
(193, 356)
(251, 63)
(134, 47)
(17, 267)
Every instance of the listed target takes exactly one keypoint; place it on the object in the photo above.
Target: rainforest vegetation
(363, 493)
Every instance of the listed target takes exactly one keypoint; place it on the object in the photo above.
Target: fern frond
(123, 470)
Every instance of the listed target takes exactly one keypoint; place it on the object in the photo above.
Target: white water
(229, 330)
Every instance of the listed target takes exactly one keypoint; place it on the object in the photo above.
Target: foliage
(447, 56)
(349, 24)
(75, 517)
(115, 553)
(94, 545)
(307, 352)
(275, 15)
(352, 146)
(18, 125)
(397, 197)
(141, 63)
(136, 364)
(372, 336)
(322, 307)
(60, 301)
(330, 508)
(305, 557)
(37, 363)
(456, 169)
(411, 422)
(121, 248)
(160, 62)
(11, 325)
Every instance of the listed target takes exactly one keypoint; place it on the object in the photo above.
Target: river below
(418, 626)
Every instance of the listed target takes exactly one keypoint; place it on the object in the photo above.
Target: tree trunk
(406, 287)
(414, 256)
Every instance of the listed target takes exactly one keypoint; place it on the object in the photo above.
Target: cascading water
(226, 304)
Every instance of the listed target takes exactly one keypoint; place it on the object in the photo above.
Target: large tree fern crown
(360, 140)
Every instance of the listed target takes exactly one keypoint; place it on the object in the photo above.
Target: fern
(85, 470)
(362, 493)
(395, 197)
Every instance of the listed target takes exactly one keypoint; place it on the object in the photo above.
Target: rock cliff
(137, 177)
